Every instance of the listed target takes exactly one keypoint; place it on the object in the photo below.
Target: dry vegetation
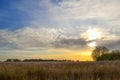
(105, 70)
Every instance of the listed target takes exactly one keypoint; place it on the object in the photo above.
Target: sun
(93, 34)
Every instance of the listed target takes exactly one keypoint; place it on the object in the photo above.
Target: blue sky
(54, 28)
(10, 16)
(13, 17)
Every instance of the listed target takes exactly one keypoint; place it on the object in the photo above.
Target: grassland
(104, 70)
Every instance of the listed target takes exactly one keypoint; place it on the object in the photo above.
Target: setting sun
(93, 34)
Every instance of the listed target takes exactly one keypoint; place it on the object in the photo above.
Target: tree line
(103, 53)
(36, 60)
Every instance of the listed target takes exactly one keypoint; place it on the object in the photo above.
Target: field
(104, 70)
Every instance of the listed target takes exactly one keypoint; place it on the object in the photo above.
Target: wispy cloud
(29, 38)
(74, 10)
(48, 38)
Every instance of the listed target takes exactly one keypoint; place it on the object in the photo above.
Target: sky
(58, 29)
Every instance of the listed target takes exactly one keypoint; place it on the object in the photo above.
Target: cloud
(79, 14)
(73, 10)
(5, 40)
(70, 43)
(30, 38)
(72, 13)
(40, 38)
(112, 44)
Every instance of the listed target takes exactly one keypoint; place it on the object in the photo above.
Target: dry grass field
(104, 70)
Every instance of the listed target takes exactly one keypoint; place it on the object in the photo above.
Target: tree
(115, 55)
(9, 60)
(13, 60)
(104, 57)
(115, 51)
(98, 51)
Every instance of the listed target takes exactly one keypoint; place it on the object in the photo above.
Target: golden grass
(105, 70)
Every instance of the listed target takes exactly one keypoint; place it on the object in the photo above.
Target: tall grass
(105, 70)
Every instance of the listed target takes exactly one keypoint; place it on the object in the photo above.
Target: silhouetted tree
(13, 60)
(103, 53)
(115, 55)
(98, 51)
(110, 56)
(104, 57)
(9, 60)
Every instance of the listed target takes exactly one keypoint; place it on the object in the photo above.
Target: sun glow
(92, 44)
(93, 34)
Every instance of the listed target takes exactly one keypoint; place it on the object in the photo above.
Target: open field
(105, 70)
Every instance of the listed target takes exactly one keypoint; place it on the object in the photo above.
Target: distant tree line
(36, 60)
(13, 60)
(103, 53)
